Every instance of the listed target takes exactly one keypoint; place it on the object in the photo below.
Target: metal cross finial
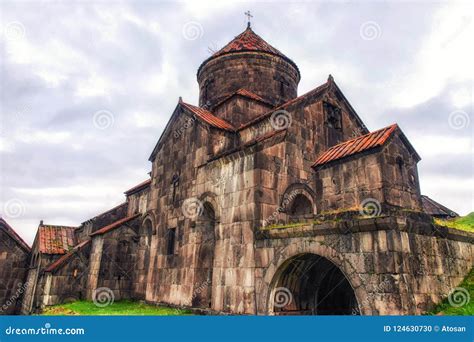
(248, 18)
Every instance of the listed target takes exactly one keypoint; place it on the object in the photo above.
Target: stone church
(259, 201)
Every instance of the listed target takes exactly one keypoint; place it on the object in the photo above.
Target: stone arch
(211, 198)
(298, 202)
(298, 251)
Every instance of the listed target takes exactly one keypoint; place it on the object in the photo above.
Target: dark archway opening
(202, 293)
(310, 284)
(300, 208)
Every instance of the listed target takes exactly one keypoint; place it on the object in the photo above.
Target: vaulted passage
(312, 285)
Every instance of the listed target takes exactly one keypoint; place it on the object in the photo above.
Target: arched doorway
(202, 294)
(309, 284)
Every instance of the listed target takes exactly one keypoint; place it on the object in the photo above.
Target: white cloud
(446, 54)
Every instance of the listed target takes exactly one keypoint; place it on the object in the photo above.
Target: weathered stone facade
(14, 258)
(258, 196)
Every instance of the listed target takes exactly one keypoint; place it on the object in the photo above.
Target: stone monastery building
(259, 201)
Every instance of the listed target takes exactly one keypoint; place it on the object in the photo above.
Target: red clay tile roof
(248, 41)
(62, 260)
(208, 117)
(10, 231)
(138, 187)
(434, 208)
(114, 225)
(245, 42)
(55, 239)
(357, 145)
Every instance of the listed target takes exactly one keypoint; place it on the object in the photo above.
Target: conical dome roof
(248, 41)
(245, 42)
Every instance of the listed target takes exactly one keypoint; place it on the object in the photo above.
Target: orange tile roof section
(55, 239)
(245, 42)
(208, 117)
(248, 41)
(356, 145)
(10, 231)
(138, 187)
(114, 225)
(62, 260)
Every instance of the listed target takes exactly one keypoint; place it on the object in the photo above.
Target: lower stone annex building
(259, 201)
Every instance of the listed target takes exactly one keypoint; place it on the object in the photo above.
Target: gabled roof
(63, 259)
(136, 188)
(434, 208)
(357, 145)
(330, 83)
(55, 239)
(200, 113)
(114, 225)
(11, 232)
(315, 91)
(247, 94)
(248, 41)
(208, 117)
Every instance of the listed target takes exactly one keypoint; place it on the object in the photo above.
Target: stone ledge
(416, 225)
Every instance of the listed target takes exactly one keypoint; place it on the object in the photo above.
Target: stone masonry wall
(395, 265)
(260, 73)
(68, 282)
(13, 269)
(376, 175)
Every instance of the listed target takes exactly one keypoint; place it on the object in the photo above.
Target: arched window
(300, 207)
(146, 233)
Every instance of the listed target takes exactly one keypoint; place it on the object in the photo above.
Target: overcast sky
(88, 86)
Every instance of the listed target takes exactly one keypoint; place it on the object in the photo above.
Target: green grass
(445, 308)
(463, 223)
(120, 308)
